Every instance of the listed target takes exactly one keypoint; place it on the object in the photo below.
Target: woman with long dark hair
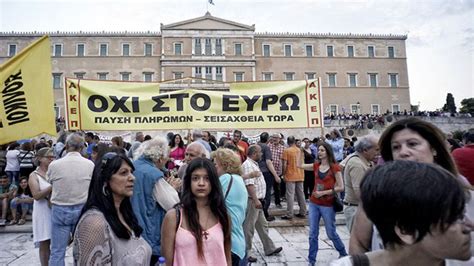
(177, 150)
(108, 231)
(201, 234)
(23, 200)
(327, 182)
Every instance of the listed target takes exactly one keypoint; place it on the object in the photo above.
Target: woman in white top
(13, 165)
(41, 190)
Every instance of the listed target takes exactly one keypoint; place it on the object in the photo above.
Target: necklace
(205, 234)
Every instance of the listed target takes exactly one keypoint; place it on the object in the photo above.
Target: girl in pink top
(177, 151)
(201, 235)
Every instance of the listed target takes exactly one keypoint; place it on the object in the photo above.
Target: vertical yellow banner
(27, 101)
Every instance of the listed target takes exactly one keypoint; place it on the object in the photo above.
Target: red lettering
(314, 109)
(314, 121)
(72, 98)
(312, 85)
(313, 97)
(74, 123)
(73, 110)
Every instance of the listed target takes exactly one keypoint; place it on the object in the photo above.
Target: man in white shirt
(255, 219)
(70, 177)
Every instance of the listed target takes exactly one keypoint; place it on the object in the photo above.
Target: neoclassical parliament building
(360, 73)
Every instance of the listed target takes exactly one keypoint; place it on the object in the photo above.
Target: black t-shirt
(266, 155)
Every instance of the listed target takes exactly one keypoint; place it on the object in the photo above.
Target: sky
(440, 44)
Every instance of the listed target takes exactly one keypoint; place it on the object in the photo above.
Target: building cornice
(81, 33)
(330, 35)
(158, 34)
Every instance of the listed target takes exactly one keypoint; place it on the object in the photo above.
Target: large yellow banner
(114, 105)
(27, 101)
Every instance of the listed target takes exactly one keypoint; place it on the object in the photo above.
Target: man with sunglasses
(70, 177)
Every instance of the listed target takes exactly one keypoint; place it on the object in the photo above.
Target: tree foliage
(467, 106)
(450, 106)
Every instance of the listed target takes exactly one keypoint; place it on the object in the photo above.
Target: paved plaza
(16, 242)
(18, 248)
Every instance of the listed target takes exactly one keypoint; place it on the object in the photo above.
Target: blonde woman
(41, 190)
(235, 194)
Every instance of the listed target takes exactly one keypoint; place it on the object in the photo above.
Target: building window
(350, 51)
(148, 76)
(198, 72)
(148, 49)
(355, 108)
(288, 50)
(372, 79)
(125, 76)
(177, 49)
(208, 72)
(333, 109)
(310, 75)
(79, 75)
(218, 46)
(352, 79)
(57, 80)
(395, 108)
(58, 50)
(197, 46)
(393, 80)
(125, 49)
(267, 76)
(239, 76)
(11, 50)
(309, 50)
(391, 52)
(289, 75)
(80, 49)
(266, 50)
(103, 49)
(238, 49)
(102, 75)
(177, 75)
(219, 75)
(208, 47)
(375, 109)
(371, 51)
(330, 50)
(332, 79)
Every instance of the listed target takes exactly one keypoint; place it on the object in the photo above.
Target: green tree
(467, 106)
(450, 106)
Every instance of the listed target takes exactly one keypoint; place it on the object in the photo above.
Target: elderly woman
(235, 194)
(108, 232)
(150, 160)
(41, 191)
(417, 226)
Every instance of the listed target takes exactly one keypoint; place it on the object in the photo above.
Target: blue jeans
(13, 176)
(22, 206)
(63, 221)
(329, 217)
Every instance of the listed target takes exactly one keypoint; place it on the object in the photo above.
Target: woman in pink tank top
(197, 231)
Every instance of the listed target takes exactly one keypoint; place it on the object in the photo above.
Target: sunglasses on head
(107, 157)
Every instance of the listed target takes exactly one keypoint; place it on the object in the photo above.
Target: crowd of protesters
(196, 200)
